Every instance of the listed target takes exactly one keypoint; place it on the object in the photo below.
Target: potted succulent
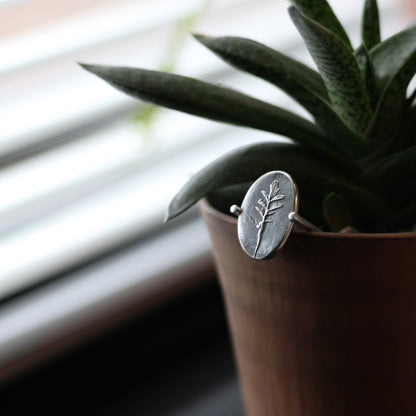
(327, 325)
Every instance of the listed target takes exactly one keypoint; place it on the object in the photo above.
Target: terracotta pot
(327, 327)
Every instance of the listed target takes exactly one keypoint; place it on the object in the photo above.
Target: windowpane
(83, 185)
(76, 170)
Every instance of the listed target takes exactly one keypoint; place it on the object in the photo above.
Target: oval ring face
(264, 224)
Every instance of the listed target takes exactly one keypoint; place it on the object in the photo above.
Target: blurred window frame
(81, 212)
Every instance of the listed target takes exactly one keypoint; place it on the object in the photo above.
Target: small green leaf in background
(146, 114)
(336, 212)
(366, 207)
(370, 27)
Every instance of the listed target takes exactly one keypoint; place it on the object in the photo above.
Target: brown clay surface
(325, 328)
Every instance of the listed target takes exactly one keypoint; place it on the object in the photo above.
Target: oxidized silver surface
(263, 223)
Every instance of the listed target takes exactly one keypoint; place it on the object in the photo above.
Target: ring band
(302, 222)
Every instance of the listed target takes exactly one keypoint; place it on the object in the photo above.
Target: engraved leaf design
(266, 208)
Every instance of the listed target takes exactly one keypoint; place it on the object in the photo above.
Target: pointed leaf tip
(199, 36)
(98, 70)
(339, 70)
(203, 39)
(370, 25)
(321, 12)
(298, 80)
(85, 66)
(213, 102)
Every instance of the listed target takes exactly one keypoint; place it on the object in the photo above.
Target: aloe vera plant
(355, 164)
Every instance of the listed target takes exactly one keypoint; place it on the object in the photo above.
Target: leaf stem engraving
(266, 208)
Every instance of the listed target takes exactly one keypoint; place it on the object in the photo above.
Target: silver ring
(307, 225)
(268, 213)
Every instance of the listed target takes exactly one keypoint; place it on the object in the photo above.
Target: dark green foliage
(299, 81)
(336, 212)
(354, 166)
(394, 62)
(321, 12)
(339, 70)
(365, 64)
(213, 102)
(370, 28)
(249, 162)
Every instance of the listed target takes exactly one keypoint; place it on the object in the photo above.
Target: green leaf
(401, 164)
(336, 212)
(223, 198)
(367, 71)
(370, 27)
(395, 173)
(214, 102)
(395, 65)
(405, 136)
(404, 218)
(265, 62)
(339, 70)
(366, 207)
(412, 98)
(320, 11)
(391, 55)
(402, 139)
(248, 163)
(296, 79)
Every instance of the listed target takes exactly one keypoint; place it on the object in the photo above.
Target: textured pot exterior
(327, 327)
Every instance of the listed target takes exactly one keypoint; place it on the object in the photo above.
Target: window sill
(171, 361)
(57, 314)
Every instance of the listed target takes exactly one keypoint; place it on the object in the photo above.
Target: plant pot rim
(204, 203)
